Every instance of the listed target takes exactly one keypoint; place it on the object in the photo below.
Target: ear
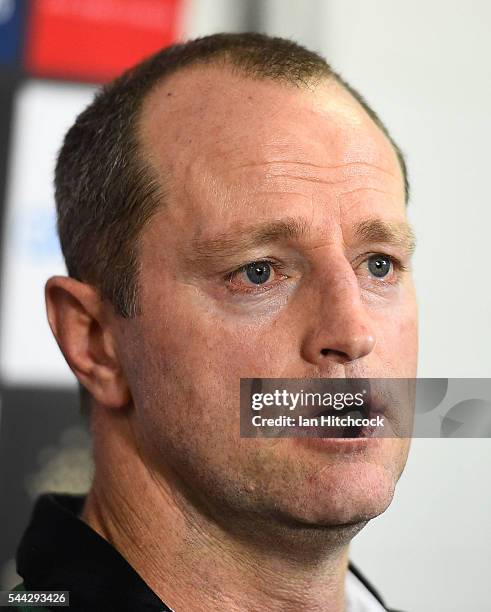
(79, 321)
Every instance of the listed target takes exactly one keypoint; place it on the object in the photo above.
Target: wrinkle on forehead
(261, 134)
(315, 166)
(316, 173)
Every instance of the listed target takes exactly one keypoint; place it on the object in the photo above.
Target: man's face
(242, 161)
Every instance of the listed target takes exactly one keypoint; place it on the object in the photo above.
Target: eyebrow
(243, 238)
(399, 234)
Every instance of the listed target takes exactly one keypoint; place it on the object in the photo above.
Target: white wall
(203, 17)
(424, 66)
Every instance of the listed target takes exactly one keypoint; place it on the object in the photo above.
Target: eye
(254, 276)
(380, 265)
(258, 272)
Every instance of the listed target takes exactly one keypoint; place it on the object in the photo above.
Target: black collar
(60, 552)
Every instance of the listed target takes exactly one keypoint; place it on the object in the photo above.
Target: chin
(356, 496)
(341, 494)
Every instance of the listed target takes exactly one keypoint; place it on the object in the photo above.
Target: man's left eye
(380, 265)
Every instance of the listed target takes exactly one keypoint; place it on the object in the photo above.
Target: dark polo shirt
(59, 552)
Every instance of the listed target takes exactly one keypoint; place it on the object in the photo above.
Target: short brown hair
(105, 193)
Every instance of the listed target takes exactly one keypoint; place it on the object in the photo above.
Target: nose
(340, 329)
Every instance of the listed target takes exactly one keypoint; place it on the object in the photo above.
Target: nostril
(338, 356)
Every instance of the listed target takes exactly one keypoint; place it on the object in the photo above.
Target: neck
(193, 562)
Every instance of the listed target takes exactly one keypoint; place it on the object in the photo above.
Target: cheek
(239, 352)
(397, 341)
(192, 337)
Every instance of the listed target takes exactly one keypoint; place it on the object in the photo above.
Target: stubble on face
(238, 156)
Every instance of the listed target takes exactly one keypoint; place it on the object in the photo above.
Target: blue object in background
(11, 30)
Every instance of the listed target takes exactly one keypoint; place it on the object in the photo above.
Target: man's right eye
(258, 272)
(254, 276)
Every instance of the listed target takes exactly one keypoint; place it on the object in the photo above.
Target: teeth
(355, 414)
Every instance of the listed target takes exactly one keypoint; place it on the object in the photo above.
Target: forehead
(227, 145)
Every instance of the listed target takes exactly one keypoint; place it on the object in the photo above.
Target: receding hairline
(223, 64)
(164, 87)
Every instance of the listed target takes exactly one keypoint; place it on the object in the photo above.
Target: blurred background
(424, 66)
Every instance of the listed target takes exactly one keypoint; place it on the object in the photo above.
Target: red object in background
(94, 40)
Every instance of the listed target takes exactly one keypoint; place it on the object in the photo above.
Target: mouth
(348, 422)
(333, 409)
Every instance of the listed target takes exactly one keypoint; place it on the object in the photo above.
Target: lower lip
(369, 439)
(339, 445)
